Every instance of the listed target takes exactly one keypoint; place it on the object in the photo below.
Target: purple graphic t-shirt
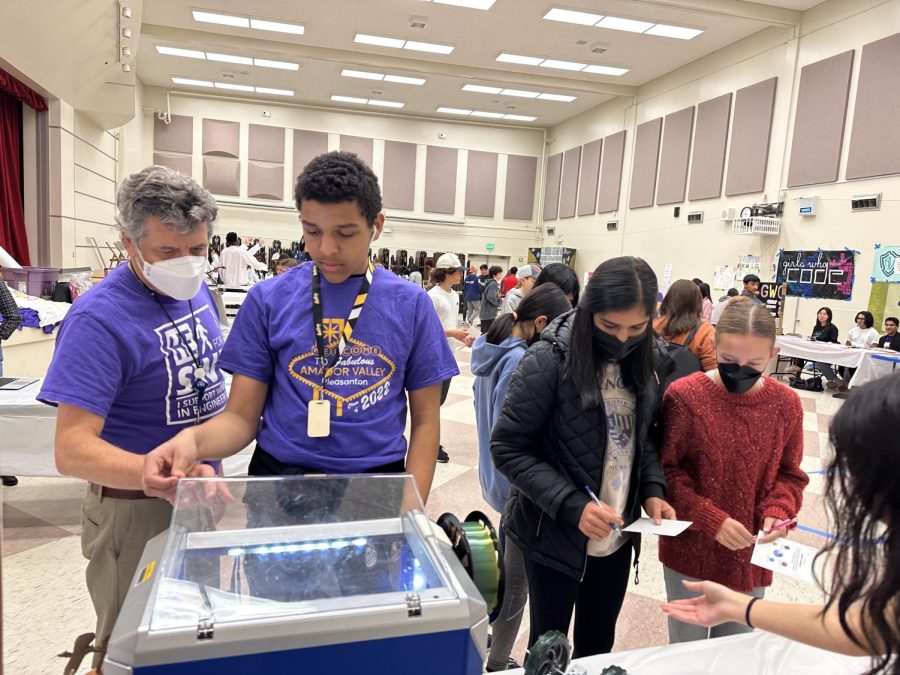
(398, 344)
(118, 356)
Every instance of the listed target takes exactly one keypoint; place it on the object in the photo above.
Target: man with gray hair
(136, 362)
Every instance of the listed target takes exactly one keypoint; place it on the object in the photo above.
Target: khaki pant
(113, 535)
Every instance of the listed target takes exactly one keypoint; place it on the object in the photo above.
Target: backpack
(684, 360)
(812, 384)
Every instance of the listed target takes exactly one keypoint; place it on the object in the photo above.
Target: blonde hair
(746, 316)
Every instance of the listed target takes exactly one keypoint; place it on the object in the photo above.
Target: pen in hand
(596, 500)
(786, 524)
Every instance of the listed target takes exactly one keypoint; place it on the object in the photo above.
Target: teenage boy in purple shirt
(311, 406)
(136, 361)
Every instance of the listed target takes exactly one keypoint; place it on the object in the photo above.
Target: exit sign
(490, 247)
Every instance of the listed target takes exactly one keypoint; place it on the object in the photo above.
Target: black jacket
(549, 449)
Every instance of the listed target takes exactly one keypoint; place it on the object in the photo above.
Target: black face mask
(738, 379)
(613, 349)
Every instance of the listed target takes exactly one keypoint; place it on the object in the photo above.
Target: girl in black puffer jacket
(578, 417)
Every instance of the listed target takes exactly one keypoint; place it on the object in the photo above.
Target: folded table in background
(870, 364)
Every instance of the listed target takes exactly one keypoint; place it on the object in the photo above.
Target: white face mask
(179, 278)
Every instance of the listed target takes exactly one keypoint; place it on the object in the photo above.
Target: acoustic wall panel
(611, 173)
(568, 187)
(265, 181)
(173, 160)
(222, 175)
(673, 160)
(646, 156)
(521, 177)
(307, 145)
(176, 136)
(266, 144)
(819, 121)
(875, 139)
(750, 132)
(481, 184)
(399, 183)
(221, 138)
(551, 186)
(440, 179)
(590, 177)
(363, 147)
(710, 140)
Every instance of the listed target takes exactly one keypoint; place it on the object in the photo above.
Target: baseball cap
(448, 261)
(526, 271)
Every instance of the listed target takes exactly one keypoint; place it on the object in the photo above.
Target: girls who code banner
(817, 274)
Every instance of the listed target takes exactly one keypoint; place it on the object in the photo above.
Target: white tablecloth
(755, 653)
(27, 430)
(870, 363)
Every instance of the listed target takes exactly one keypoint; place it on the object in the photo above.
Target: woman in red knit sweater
(732, 452)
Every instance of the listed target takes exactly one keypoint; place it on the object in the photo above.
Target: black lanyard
(349, 324)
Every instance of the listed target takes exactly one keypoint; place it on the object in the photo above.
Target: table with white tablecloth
(870, 364)
(28, 430)
(756, 653)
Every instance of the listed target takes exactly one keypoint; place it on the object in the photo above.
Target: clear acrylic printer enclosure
(295, 545)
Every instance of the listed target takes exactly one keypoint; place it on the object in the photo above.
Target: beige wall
(694, 250)
(511, 238)
(83, 161)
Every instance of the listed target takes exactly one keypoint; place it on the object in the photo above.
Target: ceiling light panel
(605, 70)
(663, 30)
(570, 16)
(627, 25)
(192, 83)
(562, 65)
(221, 19)
(402, 79)
(281, 65)
(477, 88)
(454, 111)
(378, 41)
(489, 115)
(186, 53)
(520, 118)
(471, 4)
(230, 58)
(385, 104)
(362, 75)
(276, 92)
(430, 47)
(519, 93)
(349, 99)
(233, 87)
(277, 26)
(520, 59)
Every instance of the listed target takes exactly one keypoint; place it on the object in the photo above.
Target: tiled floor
(46, 605)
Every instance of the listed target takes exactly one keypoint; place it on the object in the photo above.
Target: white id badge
(318, 424)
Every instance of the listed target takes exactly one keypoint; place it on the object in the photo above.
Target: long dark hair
(563, 276)
(705, 290)
(863, 499)
(680, 308)
(548, 300)
(867, 317)
(617, 284)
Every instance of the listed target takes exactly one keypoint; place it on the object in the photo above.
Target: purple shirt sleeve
(90, 384)
(247, 350)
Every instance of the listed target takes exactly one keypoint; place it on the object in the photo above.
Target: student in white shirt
(448, 272)
(237, 261)
(860, 336)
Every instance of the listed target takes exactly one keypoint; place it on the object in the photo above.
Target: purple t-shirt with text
(398, 344)
(118, 356)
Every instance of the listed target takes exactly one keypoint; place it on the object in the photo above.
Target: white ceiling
(514, 26)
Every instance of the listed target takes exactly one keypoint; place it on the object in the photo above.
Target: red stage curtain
(12, 215)
(21, 92)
